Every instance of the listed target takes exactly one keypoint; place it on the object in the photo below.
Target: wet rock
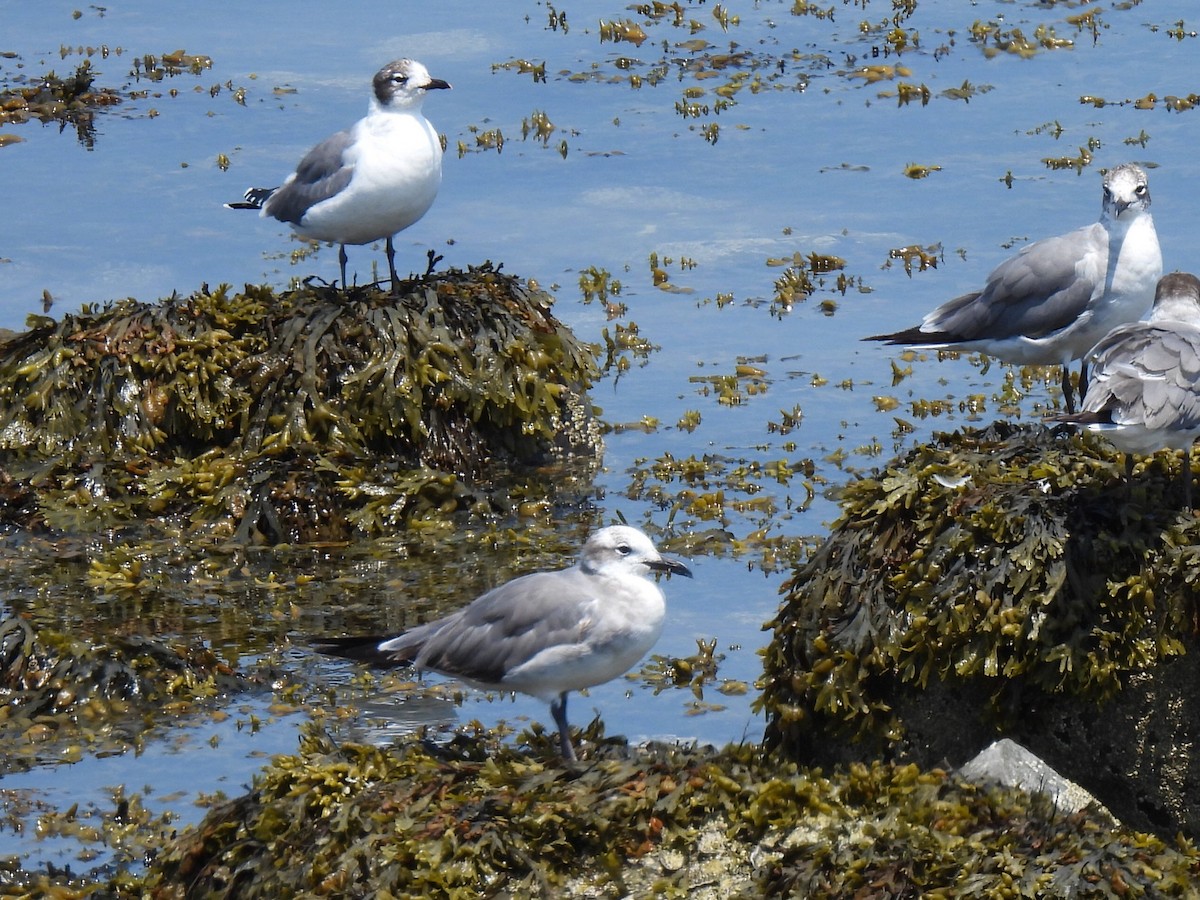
(1003, 583)
(1008, 763)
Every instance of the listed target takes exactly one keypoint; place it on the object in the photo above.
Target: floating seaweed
(71, 100)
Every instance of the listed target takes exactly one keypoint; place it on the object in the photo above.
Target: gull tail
(364, 648)
(254, 199)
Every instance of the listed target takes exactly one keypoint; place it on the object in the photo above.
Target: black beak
(437, 84)
(667, 564)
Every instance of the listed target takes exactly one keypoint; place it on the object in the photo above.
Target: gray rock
(1008, 763)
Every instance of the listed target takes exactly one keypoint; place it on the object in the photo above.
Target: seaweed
(1015, 559)
(310, 414)
(479, 818)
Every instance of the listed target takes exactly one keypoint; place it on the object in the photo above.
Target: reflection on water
(714, 162)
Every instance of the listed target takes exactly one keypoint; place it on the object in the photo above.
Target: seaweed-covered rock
(307, 414)
(1006, 582)
(474, 820)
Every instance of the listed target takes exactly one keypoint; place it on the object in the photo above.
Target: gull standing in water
(371, 181)
(546, 633)
(1144, 394)
(1056, 298)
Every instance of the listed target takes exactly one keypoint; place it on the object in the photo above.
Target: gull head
(1177, 299)
(623, 550)
(402, 84)
(1125, 189)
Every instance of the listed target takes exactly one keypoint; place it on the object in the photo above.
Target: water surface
(809, 156)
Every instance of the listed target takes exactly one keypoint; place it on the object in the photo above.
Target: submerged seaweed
(55, 687)
(306, 415)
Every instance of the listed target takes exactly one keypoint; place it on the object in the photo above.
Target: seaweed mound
(299, 415)
(470, 820)
(1002, 582)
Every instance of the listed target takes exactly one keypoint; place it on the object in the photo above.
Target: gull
(1056, 298)
(371, 181)
(1145, 389)
(546, 633)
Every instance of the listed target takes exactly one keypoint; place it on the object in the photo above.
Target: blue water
(812, 162)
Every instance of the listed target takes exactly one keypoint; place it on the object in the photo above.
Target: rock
(1042, 599)
(1008, 763)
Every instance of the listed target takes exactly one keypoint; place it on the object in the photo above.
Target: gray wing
(1147, 375)
(505, 627)
(321, 174)
(1037, 292)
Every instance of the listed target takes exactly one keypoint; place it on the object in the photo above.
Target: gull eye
(399, 79)
(624, 549)
(1140, 190)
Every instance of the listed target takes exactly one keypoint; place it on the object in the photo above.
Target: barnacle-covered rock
(313, 414)
(1006, 582)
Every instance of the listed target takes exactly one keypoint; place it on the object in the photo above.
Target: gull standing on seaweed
(1145, 390)
(371, 181)
(1056, 298)
(546, 633)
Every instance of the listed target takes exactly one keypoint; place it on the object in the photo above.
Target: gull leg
(1066, 389)
(1186, 475)
(342, 258)
(558, 709)
(1083, 379)
(391, 258)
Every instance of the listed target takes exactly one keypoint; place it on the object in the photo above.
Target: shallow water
(809, 158)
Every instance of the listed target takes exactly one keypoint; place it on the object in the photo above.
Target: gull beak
(667, 564)
(436, 84)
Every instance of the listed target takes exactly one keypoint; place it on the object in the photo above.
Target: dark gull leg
(1066, 389)
(1187, 478)
(558, 709)
(391, 257)
(342, 258)
(1083, 379)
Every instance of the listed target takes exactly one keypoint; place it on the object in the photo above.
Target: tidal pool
(735, 179)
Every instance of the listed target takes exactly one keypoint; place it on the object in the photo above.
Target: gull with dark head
(369, 182)
(1056, 298)
(546, 633)
(1144, 394)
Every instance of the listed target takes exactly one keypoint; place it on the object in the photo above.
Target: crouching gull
(546, 633)
(1056, 298)
(1144, 394)
(371, 181)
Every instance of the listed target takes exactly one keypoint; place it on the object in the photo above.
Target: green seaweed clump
(308, 415)
(1015, 563)
(478, 818)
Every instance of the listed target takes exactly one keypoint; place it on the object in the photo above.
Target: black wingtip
(915, 336)
(364, 648)
(252, 199)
